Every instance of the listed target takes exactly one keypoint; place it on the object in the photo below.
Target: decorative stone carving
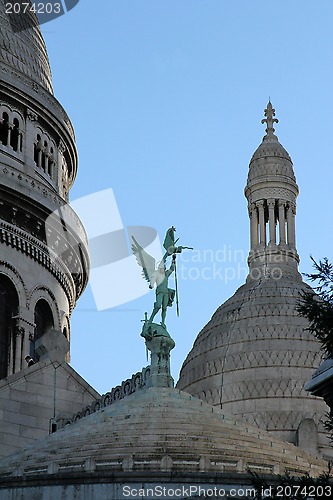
(61, 147)
(32, 116)
(19, 331)
(37, 251)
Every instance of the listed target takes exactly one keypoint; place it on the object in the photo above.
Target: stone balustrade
(126, 388)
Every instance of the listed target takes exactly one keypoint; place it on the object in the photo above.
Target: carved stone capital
(292, 208)
(19, 331)
(33, 117)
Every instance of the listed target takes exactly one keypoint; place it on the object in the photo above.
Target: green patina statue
(164, 295)
(159, 277)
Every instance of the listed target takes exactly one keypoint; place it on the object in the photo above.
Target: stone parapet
(138, 381)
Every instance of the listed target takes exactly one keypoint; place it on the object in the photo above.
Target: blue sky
(166, 98)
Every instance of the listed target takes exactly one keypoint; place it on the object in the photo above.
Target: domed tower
(44, 260)
(255, 355)
(271, 192)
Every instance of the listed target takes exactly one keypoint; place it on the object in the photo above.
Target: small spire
(270, 120)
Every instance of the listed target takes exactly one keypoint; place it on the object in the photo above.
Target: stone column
(59, 160)
(20, 141)
(9, 133)
(282, 223)
(291, 225)
(262, 224)
(46, 162)
(160, 347)
(30, 139)
(272, 227)
(253, 226)
(28, 341)
(40, 154)
(19, 336)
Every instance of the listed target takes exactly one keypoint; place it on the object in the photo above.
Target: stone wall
(30, 399)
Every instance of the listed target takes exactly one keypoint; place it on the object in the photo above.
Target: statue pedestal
(159, 343)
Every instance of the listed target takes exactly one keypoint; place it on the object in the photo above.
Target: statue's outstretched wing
(146, 261)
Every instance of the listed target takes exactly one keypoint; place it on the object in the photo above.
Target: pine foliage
(317, 305)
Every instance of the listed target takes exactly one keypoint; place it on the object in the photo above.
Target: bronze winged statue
(159, 276)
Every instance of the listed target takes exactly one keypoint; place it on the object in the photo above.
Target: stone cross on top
(270, 120)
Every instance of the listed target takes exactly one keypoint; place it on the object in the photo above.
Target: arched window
(43, 323)
(8, 309)
(44, 155)
(4, 128)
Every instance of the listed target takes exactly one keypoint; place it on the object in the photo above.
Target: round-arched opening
(4, 128)
(43, 322)
(8, 310)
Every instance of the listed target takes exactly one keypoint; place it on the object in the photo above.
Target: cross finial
(270, 120)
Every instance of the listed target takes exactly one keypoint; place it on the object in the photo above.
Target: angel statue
(159, 276)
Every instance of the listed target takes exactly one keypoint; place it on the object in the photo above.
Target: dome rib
(22, 47)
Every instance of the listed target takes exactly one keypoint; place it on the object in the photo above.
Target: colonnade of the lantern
(279, 217)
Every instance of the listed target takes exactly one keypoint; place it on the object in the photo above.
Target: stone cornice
(51, 200)
(37, 251)
(49, 193)
(37, 92)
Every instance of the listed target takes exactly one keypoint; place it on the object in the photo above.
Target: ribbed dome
(270, 159)
(22, 47)
(270, 148)
(254, 357)
(158, 430)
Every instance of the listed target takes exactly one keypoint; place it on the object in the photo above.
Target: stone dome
(270, 159)
(254, 356)
(270, 147)
(22, 48)
(160, 430)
